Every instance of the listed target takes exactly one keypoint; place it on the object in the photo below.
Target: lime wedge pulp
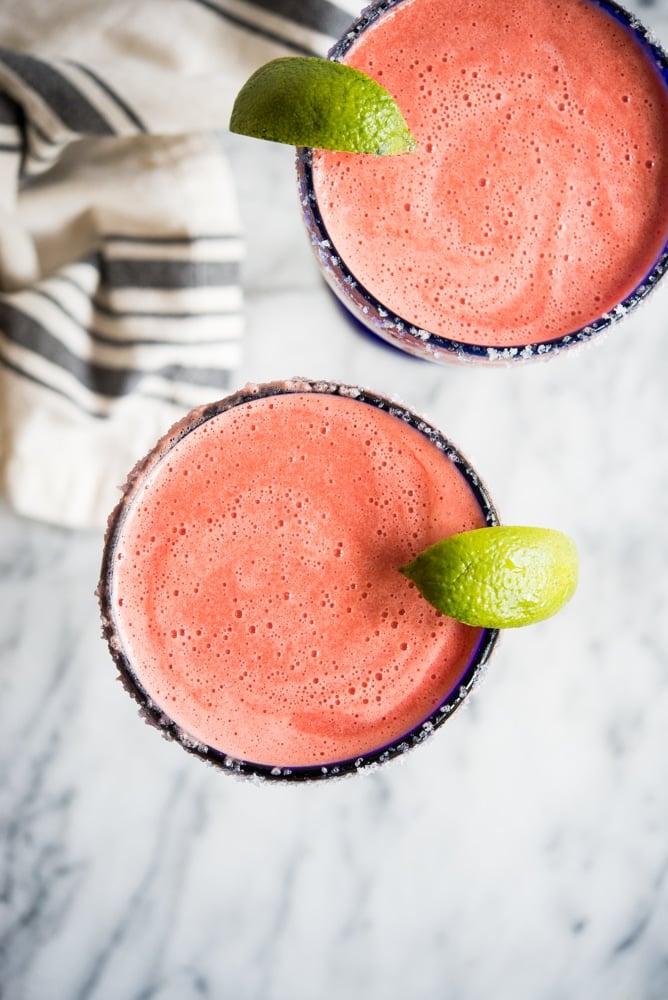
(308, 101)
(498, 577)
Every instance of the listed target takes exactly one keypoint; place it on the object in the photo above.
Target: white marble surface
(521, 854)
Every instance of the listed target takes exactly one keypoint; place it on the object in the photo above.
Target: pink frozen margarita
(251, 592)
(537, 200)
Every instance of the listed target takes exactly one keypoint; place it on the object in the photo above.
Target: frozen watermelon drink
(534, 212)
(250, 589)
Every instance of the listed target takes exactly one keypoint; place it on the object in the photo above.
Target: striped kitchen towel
(120, 242)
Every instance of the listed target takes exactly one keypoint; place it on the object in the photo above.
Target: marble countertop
(521, 854)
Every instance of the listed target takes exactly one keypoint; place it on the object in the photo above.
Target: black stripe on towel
(12, 119)
(29, 377)
(186, 240)
(120, 314)
(11, 113)
(61, 96)
(102, 412)
(318, 15)
(122, 340)
(249, 25)
(168, 274)
(120, 103)
(26, 332)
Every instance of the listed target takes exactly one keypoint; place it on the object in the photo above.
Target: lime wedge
(500, 577)
(307, 101)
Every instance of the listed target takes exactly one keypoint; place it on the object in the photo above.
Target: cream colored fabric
(120, 242)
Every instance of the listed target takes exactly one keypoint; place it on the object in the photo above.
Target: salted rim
(155, 715)
(399, 331)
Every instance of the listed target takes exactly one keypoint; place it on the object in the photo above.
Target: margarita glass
(250, 588)
(534, 214)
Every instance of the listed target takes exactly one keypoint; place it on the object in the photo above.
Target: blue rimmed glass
(158, 717)
(401, 333)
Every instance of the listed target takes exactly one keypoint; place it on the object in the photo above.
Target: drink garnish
(498, 577)
(310, 101)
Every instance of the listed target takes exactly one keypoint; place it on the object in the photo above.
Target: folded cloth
(120, 242)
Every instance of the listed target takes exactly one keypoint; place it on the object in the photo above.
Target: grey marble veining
(521, 854)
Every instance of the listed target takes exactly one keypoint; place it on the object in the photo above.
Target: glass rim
(158, 717)
(407, 336)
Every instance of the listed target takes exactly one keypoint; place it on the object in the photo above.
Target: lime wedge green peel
(500, 577)
(308, 101)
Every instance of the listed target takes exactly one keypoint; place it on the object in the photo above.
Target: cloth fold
(120, 240)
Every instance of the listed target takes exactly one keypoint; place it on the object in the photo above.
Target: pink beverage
(535, 211)
(250, 589)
